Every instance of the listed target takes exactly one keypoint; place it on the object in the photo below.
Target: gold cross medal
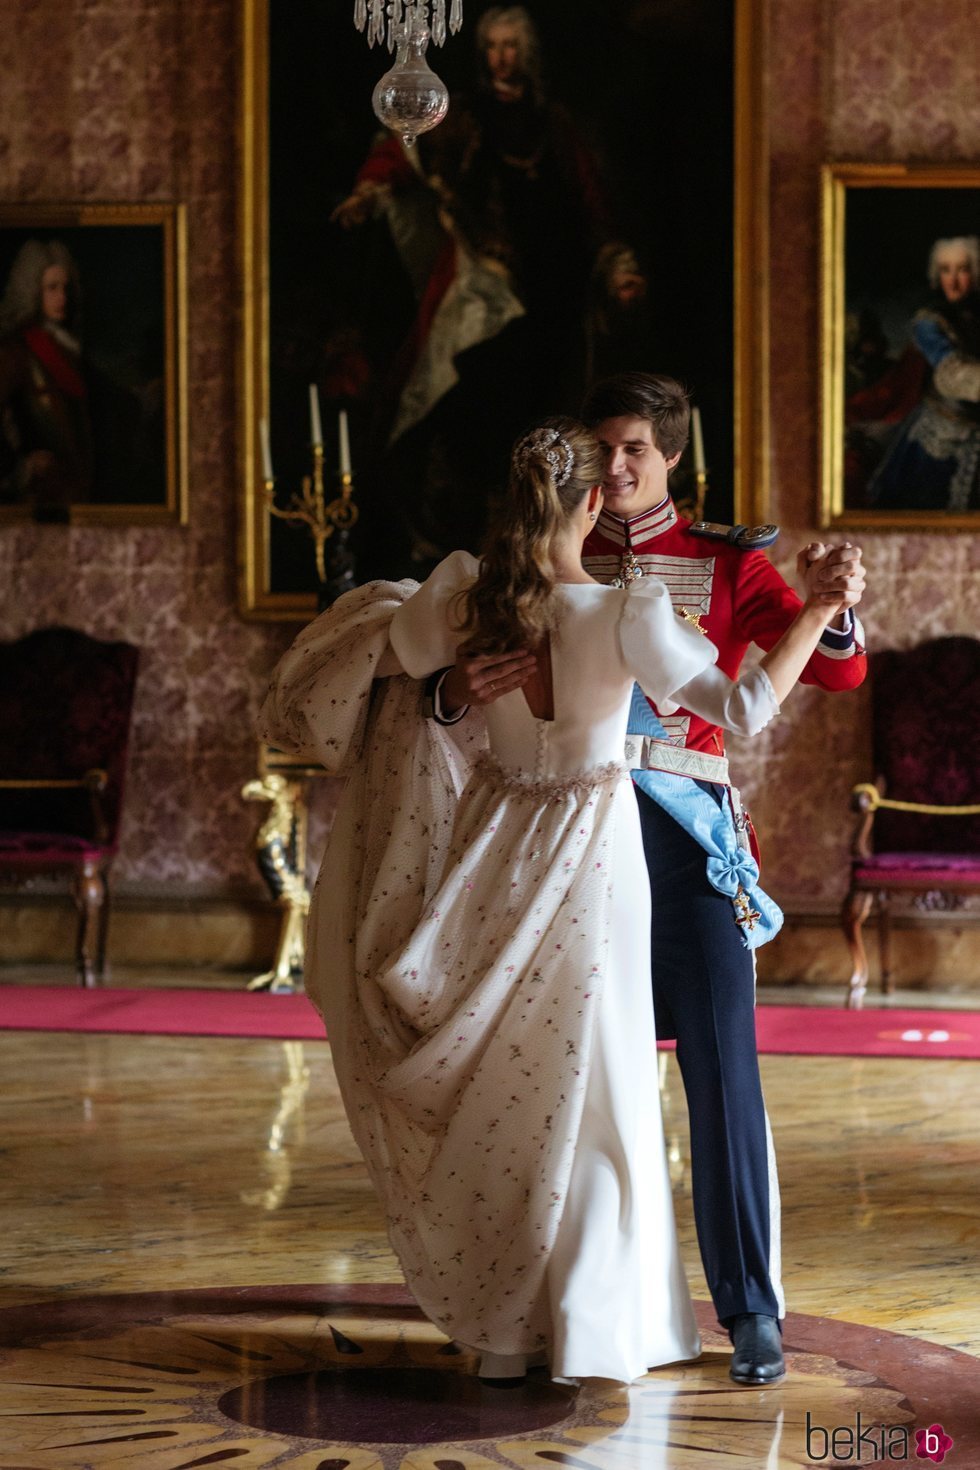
(745, 915)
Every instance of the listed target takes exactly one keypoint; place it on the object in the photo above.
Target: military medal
(693, 618)
(629, 569)
(745, 915)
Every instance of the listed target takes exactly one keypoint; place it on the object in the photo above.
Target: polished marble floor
(194, 1272)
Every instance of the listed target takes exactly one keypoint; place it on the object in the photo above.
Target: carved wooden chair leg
(90, 896)
(854, 911)
(103, 934)
(885, 945)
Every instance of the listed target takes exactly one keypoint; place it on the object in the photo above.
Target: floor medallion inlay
(397, 1405)
(354, 1378)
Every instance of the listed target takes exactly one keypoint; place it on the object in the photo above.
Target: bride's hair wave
(511, 605)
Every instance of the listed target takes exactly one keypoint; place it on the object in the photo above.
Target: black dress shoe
(758, 1355)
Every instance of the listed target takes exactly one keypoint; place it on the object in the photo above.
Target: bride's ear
(595, 500)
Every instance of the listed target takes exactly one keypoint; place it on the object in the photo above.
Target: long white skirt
(619, 1297)
(515, 1138)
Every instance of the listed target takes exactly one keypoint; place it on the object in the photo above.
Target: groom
(703, 974)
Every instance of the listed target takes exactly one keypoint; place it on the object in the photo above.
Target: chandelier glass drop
(410, 98)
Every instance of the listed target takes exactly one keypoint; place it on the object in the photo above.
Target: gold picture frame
(896, 449)
(94, 411)
(748, 392)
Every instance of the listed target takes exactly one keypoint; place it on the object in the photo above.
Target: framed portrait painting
(586, 214)
(92, 363)
(901, 347)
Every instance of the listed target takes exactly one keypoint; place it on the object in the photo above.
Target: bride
(479, 936)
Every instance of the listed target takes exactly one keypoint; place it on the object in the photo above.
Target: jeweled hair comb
(549, 445)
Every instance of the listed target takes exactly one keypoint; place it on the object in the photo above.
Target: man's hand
(483, 679)
(357, 207)
(832, 573)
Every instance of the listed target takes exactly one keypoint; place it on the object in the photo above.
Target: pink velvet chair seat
(50, 849)
(918, 869)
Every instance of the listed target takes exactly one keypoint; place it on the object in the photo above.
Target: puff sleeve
(662, 652)
(424, 631)
(675, 666)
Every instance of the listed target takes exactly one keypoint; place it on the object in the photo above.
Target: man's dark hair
(661, 400)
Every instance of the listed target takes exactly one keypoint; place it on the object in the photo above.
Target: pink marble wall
(113, 100)
(870, 81)
(136, 100)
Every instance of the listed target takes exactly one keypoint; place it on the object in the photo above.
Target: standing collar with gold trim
(653, 522)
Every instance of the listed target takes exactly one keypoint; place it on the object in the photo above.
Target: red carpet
(829, 1031)
(159, 1012)
(799, 1030)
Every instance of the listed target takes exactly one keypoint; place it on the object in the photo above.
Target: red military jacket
(736, 597)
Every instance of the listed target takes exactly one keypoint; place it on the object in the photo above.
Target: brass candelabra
(326, 521)
(692, 506)
(701, 479)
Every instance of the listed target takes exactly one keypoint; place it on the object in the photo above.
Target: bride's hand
(484, 678)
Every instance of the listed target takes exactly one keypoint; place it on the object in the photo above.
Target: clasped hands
(832, 574)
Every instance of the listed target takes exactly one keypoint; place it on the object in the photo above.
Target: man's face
(636, 471)
(627, 285)
(503, 53)
(955, 274)
(54, 293)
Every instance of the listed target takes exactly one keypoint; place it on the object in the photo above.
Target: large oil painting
(576, 214)
(901, 382)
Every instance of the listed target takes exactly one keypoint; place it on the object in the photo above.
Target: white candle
(266, 452)
(316, 429)
(344, 443)
(699, 466)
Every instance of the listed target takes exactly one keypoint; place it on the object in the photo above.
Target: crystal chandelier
(410, 98)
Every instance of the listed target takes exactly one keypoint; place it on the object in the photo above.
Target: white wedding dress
(498, 1060)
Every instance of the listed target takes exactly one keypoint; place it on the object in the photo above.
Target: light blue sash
(731, 870)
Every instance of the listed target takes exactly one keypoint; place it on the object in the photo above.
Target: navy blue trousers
(704, 996)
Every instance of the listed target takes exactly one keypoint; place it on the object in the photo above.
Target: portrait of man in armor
(88, 404)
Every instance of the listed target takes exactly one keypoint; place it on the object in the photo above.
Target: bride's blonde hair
(511, 605)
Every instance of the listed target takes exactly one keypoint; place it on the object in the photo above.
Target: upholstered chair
(918, 832)
(66, 704)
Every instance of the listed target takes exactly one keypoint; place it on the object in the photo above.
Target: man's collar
(653, 522)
